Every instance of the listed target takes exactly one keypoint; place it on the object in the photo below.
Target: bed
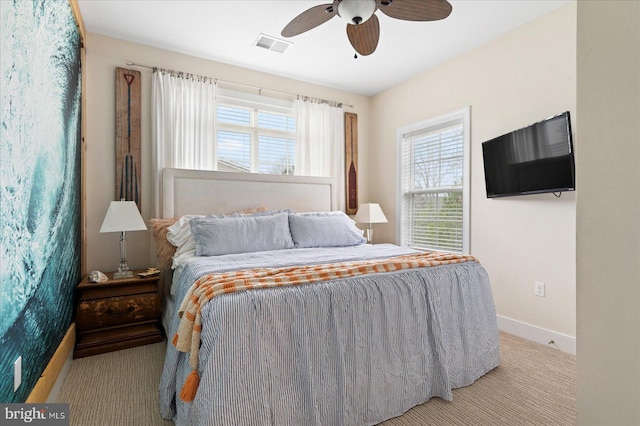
(355, 348)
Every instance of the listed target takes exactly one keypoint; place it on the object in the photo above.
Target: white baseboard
(537, 334)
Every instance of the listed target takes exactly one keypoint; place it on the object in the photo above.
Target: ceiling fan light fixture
(356, 11)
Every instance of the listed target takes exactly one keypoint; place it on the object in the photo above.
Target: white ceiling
(225, 31)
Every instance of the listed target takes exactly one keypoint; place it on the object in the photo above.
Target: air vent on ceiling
(272, 43)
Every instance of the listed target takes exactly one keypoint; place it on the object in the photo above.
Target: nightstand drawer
(115, 288)
(116, 338)
(109, 312)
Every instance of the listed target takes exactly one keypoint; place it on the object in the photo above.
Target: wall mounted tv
(532, 160)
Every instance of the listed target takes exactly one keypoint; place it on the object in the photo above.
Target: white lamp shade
(362, 9)
(370, 213)
(123, 216)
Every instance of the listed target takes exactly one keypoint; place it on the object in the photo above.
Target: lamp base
(122, 274)
(123, 269)
(369, 234)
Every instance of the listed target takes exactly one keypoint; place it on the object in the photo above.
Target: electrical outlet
(17, 373)
(538, 290)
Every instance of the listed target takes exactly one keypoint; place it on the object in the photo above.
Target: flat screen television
(532, 160)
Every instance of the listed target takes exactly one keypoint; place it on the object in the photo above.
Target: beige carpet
(534, 385)
(115, 389)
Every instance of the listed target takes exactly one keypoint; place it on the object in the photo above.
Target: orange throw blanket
(187, 339)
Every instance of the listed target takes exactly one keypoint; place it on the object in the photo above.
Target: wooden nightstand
(117, 314)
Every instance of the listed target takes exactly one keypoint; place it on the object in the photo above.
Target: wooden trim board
(50, 375)
(83, 131)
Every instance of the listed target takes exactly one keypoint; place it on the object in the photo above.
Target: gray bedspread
(354, 351)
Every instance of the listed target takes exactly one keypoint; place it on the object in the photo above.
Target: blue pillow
(244, 234)
(334, 230)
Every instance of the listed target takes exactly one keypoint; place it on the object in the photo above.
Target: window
(434, 189)
(254, 133)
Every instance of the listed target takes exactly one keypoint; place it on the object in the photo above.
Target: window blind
(432, 175)
(255, 133)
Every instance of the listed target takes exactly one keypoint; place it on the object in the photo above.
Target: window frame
(255, 104)
(462, 115)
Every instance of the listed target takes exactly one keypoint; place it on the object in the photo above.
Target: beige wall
(104, 54)
(510, 82)
(608, 213)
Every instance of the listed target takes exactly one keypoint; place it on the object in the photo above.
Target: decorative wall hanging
(40, 185)
(351, 161)
(128, 135)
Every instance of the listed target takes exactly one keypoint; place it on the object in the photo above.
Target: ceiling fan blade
(364, 37)
(415, 10)
(309, 19)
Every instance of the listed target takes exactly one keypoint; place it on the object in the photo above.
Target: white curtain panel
(183, 135)
(320, 143)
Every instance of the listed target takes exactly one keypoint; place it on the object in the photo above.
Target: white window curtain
(320, 142)
(183, 136)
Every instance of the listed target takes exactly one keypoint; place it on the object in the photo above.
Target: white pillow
(180, 232)
(335, 229)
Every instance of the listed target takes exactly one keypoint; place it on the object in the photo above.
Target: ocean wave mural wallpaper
(39, 185)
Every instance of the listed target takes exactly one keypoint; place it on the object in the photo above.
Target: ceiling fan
(363, 27)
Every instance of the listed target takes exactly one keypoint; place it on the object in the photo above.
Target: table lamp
(370, 213)
(123, 216)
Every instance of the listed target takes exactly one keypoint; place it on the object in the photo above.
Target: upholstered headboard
(202, 192)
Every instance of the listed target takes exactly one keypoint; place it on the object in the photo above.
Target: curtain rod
(260, 89)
